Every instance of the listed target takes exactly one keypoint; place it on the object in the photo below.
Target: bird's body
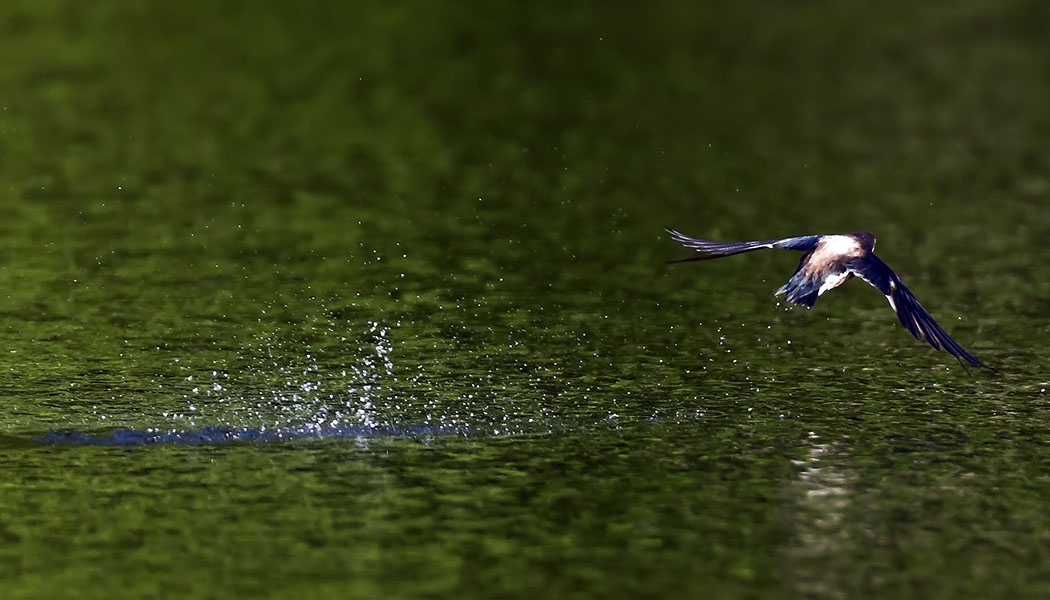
(828, 262)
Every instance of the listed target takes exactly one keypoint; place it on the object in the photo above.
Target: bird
(830, 261)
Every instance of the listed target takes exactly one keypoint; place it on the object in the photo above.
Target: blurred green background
(369, 300)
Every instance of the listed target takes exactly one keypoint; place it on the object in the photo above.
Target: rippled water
(373, 302)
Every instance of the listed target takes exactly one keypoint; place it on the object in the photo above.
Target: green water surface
(324, 300)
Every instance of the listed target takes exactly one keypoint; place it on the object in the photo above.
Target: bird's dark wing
(912, 315)
(711, 250)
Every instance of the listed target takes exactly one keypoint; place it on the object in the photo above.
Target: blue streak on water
(222, 435)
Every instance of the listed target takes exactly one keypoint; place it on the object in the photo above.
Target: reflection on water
(818, 520)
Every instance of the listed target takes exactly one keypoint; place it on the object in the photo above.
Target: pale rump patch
(840, 244)
(832, 249)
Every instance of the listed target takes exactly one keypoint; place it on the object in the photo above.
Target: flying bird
(828, 262)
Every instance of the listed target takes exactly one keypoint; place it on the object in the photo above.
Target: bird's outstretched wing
(912, 315)
(709, 250)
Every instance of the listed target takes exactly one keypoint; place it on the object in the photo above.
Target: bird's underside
(828, 262)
